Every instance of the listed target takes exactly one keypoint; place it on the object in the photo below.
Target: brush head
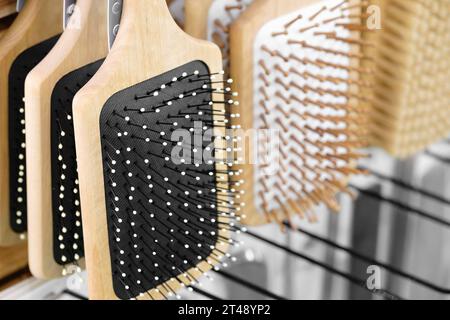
(308, 108)
(411, 92)
(66, 207)
(170, 209)
(23, 64)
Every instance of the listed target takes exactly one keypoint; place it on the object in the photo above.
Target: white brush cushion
(266, 39)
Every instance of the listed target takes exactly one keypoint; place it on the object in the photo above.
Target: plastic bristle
(67, 225)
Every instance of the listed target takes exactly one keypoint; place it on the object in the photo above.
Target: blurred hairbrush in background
(299, 66)
(28, 40)
(412, 65)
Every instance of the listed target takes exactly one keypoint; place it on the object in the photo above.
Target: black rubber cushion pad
(68, 244)
(162, 216)
(20, 68)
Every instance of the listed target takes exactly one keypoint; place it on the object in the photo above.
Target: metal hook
(69, 9)
(114, 16)
(19, 5)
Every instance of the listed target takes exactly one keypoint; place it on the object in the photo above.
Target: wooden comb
(412, 62)
(26, 42)
(54, 224)
(149, 230)
(302, 83)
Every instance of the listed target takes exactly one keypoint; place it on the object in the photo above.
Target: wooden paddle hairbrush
(54, 210)
(27, 41)
(302, 83)
(412, 66)
(155, 215)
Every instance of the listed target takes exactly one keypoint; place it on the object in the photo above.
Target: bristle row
(170, 205)
(310, 91)
(411, 95)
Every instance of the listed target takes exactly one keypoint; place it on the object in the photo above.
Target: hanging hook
(69, 9)
(114, 16)
(19, 5)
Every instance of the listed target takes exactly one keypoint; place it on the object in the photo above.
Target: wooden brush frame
(149, 43)
(7, 8)
(7, 15)
(38, 21)
(242, 37)
(410, 105)
(76, 48)
(13, 259)
(196, 17)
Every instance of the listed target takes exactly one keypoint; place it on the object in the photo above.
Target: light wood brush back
(7, 15)
(38, 21)
(196, 17)
(7, 8)
(82, 43)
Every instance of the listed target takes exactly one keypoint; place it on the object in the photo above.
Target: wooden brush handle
(7, 7)
(38, 21)
(138, 12)
(82, 43)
